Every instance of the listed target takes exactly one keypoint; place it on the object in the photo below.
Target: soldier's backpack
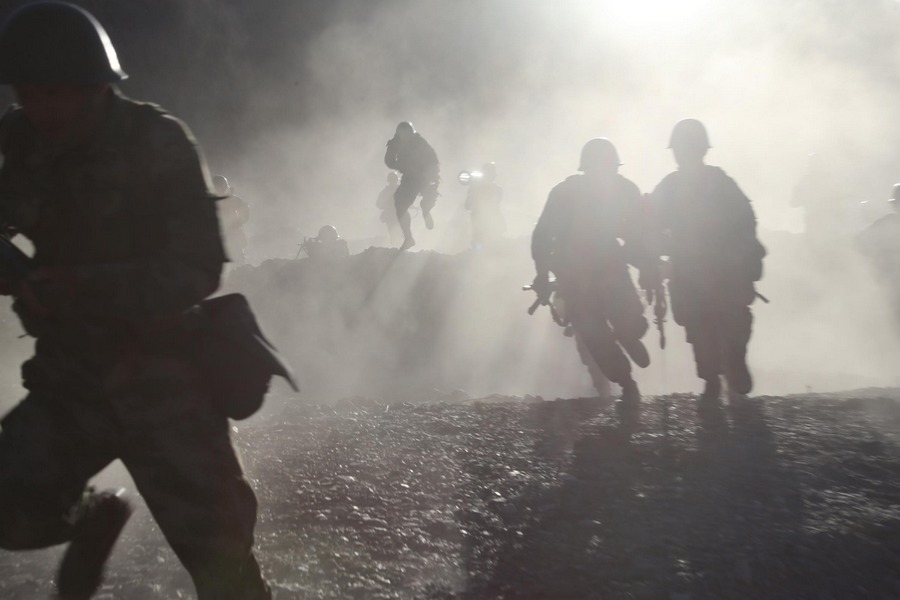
(233, 355)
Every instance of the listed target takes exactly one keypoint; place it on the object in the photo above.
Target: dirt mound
(394, 325)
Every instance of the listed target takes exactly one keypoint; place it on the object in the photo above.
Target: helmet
(327, 234)
(689, 133)
(598, 152)
(221, 186)
(405, 126)
(56, 43)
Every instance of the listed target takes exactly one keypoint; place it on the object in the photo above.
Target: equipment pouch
(234, 357)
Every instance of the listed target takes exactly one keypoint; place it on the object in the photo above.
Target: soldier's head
(599, 156)
(220, 184)
(61, 63)
(689, 142)
(489, 171)
(327, 234)
(404, 131)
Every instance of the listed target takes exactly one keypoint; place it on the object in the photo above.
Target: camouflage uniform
(577, 237)
(708, 229)
(128, 214)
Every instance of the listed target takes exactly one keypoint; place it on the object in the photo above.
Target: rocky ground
(771, 497)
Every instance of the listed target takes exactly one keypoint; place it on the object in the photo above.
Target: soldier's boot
(631, 397)
(426, 216)
(95, 534)
(637, 351)
(408, 242)
(738, 375)
(711, 392)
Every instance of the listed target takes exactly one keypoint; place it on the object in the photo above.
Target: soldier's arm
(391, 160)
(187, 265)
(545, 232)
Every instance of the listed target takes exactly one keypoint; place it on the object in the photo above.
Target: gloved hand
(543, 289)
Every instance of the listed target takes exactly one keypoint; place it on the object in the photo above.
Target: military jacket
(127, 212)
(583, 222)
(707, 226)
(415, 159)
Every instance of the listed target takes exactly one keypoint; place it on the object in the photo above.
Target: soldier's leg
(736, 326)
(404, 196)
(626, 315)
(704, 337)
(429, 198)
(599, 339)
(47, 456)
(601, 383)
(180, 456)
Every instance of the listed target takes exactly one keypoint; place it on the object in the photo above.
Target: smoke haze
(294, 101)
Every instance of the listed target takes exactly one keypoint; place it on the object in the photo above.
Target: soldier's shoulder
(630, 187)
(158, 127)
(11, 124)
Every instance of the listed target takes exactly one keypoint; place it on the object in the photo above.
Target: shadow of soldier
(655, 508)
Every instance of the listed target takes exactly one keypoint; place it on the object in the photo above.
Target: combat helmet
(689, 133)
(598, 152)
(404, 126)
(56, 43)
(221, 185)
(327, 234)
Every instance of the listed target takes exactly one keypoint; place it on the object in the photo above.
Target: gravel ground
(770, 497)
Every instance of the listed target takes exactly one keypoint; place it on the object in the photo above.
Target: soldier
(409, 153)
(577, 238)
(385, 203)
(483, 200)
(328, 244)
(708, 229)
(234, 213)
(116, 200)
(880, 244)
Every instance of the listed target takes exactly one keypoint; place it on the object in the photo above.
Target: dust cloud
(295, 101)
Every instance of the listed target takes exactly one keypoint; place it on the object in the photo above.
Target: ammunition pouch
(234, 357)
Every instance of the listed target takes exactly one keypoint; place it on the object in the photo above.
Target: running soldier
(116, 200)
(409, 153)
(708, 230)
(880, 244)
(577, 238)
(483, 199)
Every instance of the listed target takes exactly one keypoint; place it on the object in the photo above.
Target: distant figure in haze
(327, 245)
(821, 195)
(409, 153)
(577, 238)
(234, 213)
(880, 243)
(385, 203)
(483, 200)
(706, 226)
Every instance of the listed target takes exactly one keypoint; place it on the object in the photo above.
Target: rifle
(660, 308)
(557, 318)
